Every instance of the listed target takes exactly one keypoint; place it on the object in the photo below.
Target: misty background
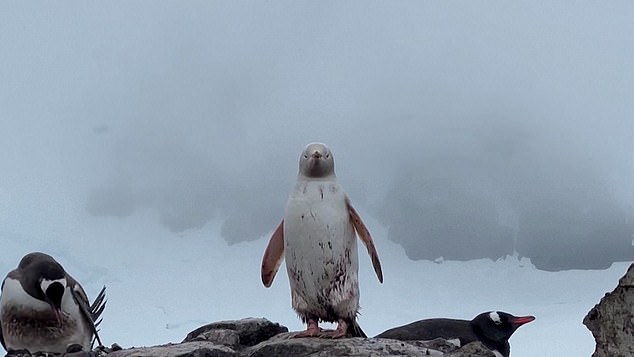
(469, 130)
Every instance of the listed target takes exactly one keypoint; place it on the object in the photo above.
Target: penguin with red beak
(44, 309)
(492, 328)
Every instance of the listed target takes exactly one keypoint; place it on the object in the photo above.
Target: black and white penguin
(43, 309)
(493, 329)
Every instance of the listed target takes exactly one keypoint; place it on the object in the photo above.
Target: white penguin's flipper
(273, 255)
(365, 237)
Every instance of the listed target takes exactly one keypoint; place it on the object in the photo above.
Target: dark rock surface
(258, 337)
(237, 333)
(285, 345)
(185, 349)
(472, 349)
(611, 321)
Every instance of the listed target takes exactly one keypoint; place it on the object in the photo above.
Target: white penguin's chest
(320, 241)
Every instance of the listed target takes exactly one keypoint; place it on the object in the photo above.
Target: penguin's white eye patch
(495, 317)
(46, 283)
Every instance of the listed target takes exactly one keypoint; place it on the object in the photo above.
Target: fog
(469, 130)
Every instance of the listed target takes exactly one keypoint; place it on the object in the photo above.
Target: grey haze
(470, 129)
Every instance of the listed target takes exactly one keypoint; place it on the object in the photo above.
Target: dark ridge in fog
(540, 205)
(470, 131)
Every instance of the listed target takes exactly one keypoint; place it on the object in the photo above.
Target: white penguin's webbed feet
(312, 329)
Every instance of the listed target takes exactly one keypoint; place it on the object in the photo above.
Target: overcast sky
(195, 110)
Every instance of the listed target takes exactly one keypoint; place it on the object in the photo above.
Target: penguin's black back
(433, 328)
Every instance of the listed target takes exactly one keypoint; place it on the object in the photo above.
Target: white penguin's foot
(339, 332)
(342, 329)
(312, 330)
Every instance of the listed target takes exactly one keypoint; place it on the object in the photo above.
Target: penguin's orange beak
(521, 320)
(59, 317)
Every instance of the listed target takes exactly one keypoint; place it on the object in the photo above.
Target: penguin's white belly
(28, 323)
(321, 252)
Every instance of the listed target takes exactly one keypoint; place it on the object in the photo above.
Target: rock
(221, 336)
(439, 344)
(185, 349)
(74, 348)
(80, 354)
(71, 351)
(285, 345)
(258, 337)
(611, 321)
(237, 333)
(472, 349)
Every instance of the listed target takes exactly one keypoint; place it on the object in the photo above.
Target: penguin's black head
(54, 291)
(44, 279)
(497, 325)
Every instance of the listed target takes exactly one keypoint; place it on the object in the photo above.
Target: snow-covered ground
(162, 285)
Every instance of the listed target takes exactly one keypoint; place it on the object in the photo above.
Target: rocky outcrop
(286, 345)
(237, 334)
(185, 349)
(611, 321)
(258, 337)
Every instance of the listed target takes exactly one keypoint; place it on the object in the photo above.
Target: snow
(161, 285)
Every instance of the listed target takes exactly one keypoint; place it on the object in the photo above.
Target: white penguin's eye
(328, 156)
(305, 156)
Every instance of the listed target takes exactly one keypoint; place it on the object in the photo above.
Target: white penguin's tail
(354, 330)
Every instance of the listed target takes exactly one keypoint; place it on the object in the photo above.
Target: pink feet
(342, 329)
(312, 330)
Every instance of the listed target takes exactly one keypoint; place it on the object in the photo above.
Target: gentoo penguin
(43, 309)
(317, 237)
(493, 329)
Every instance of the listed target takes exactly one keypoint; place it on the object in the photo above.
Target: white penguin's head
(316, 161)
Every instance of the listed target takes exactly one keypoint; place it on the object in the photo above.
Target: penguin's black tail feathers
(354, 330)
(95, 310)
(97, 307)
